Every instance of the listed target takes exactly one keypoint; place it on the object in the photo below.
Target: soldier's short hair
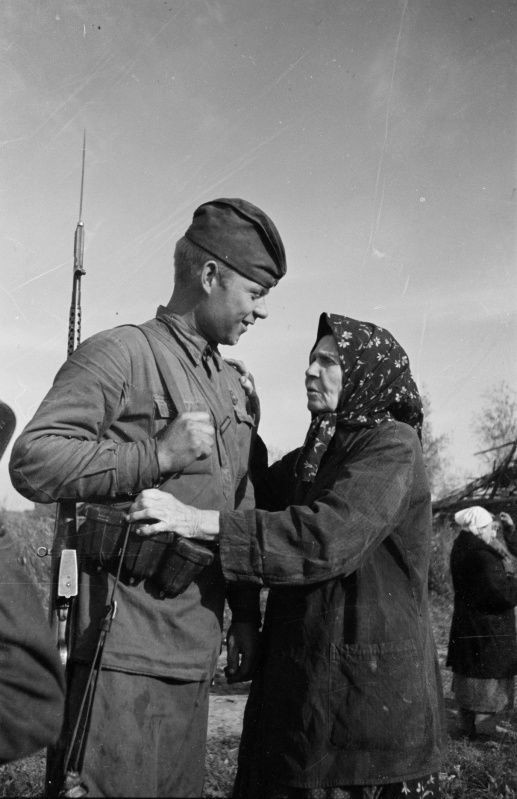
(189, 260)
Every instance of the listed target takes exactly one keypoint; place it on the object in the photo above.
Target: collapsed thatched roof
(495, 491)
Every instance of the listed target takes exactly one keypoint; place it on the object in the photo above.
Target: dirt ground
(226, 704)
(225, 715)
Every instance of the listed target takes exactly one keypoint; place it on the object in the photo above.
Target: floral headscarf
(377, 386)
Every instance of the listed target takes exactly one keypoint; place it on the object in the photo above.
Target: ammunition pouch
(168, 561)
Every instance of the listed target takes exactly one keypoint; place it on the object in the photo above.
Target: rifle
(64, 580)
(64, 583)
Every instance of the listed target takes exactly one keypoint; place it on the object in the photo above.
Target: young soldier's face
(234, 304)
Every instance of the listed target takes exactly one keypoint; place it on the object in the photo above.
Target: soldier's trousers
(146, 736)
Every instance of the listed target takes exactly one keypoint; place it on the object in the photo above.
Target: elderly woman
(482, 645)
(346, 698)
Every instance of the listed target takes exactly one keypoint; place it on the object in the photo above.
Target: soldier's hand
(242, 645)
(190, 437)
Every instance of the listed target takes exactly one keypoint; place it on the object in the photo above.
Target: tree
(434, 450)
(496, 423)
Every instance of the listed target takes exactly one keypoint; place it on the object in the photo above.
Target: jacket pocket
(243, 416)
(240, 447)
(165, 413)
(377, 697)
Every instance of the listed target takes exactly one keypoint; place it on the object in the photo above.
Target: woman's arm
(274, 485)
(305, 543)
(495, 591)
(271, 484)
(509, 533)
(337, 531)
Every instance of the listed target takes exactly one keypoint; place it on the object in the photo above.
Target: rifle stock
(64, 581)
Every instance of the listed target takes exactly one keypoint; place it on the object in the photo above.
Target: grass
(479, 771)
(221, 758)
(24, 777)
(470, 770)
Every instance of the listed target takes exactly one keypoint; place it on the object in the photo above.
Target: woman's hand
(509, 533)
(248, 384)
(506, 519)
(156, 511)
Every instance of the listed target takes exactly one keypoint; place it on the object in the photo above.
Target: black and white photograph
(258, 401)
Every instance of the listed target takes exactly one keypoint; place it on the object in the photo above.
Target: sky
(379, 135)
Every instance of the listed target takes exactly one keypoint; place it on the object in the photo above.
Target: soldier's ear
(208, 276)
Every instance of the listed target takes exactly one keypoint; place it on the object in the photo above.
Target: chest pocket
(165, 413)
(243, 416)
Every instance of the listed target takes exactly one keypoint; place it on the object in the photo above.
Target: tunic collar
(194, 344)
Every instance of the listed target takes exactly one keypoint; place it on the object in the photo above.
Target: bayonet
(74, 319)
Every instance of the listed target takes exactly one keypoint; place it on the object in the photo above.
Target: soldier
(133, 408)
(31, 676)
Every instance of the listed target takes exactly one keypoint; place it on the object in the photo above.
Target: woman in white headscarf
(482, 645)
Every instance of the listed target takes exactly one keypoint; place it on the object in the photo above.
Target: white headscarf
(478, 521)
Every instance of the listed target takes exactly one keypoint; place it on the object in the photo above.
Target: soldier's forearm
(49, 468)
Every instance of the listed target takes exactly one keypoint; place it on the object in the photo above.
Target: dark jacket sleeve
(31, 677)
(244, 599)
(271, 490)
(510, 538)
(61, 454)
(333, 534)
(274, 485)
(495, 590)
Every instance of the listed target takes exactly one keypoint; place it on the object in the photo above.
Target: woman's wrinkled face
(488, 532)
(323, 377)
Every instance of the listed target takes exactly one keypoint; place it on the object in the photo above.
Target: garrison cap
(242, 236)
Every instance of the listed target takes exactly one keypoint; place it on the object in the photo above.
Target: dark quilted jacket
(348, 690)
(482, 639)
